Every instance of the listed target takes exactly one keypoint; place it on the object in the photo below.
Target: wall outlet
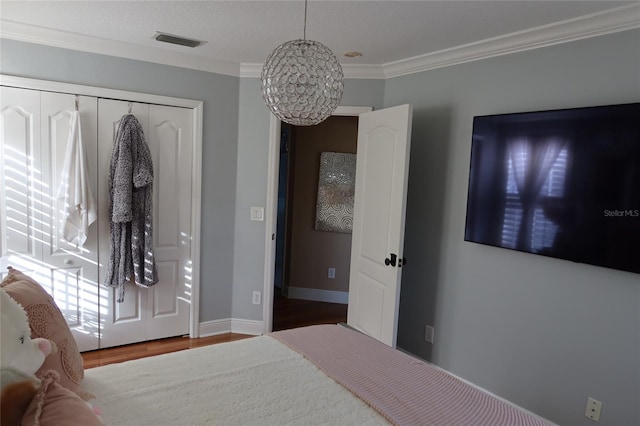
(257, 296)
(593, 409)
(428, 333)
(331, 273)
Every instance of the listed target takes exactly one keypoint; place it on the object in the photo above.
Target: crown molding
(596, 24)
(363, 71)
(592, 25)
(250, 70)
(67, 40)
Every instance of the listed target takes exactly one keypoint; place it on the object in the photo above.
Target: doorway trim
(196, 176)
(273, 165)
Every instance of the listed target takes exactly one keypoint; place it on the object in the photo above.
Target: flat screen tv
(562, 183)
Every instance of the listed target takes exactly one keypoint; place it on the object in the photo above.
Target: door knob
(391, 261)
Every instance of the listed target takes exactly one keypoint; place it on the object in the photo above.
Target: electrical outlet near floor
(257, 296)
(428, 333)
(331, 273)
(593, 409)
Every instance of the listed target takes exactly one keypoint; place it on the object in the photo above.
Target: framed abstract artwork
(336, 187)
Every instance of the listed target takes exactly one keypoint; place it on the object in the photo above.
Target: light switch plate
(257, 214)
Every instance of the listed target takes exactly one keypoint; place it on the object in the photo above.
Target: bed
(326, 374)
(318, 375)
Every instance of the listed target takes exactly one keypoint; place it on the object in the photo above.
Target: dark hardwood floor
(154, 347)
(287, 313)
(293, 313)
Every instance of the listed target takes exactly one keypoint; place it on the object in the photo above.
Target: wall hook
(77, 100)
(130, 106)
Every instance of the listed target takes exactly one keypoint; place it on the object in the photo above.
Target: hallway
(293, 313)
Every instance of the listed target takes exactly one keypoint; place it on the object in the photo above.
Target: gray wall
(251, 188)
(541, 332)
(253, 144)
(219, 144)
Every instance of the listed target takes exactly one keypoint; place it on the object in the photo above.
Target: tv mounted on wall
(562, 183)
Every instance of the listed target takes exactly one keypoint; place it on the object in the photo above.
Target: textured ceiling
(246, 31)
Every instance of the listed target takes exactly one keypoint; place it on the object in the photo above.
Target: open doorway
(311, 271)
(377, 246)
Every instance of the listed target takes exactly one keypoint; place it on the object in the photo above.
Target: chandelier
(302, 81)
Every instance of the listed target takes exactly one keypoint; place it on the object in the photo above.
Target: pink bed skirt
(403, 389)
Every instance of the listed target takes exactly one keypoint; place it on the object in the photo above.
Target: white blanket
(256, 381)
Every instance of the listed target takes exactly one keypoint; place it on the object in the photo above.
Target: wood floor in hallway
(293, 313)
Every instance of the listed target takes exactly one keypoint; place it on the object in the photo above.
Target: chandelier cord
(304, 34)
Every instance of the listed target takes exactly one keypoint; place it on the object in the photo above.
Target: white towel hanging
(75, 188)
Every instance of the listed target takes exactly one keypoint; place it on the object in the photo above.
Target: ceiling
(245, 32)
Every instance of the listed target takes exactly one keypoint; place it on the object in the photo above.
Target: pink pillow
(54, 405)
(46, 320)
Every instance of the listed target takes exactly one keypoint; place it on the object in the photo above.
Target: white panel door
(382, 165)
(20, 179)
(164, 309)
(120, 323)
(35, 128)
(170, 139)
(71, 271)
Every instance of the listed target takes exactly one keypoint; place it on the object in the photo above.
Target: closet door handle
(391, 261)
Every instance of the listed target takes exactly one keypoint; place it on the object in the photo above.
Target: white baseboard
(317, 295)
(242, 326)
(231, 325)
(212, 328)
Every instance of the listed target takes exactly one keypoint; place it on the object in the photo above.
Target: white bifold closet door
(35, 129)
(162, 310)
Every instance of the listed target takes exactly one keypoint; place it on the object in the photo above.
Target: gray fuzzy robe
(130, 209)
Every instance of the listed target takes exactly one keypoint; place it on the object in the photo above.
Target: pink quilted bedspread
(403, 389)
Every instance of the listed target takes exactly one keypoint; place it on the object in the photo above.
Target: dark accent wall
(313, 252)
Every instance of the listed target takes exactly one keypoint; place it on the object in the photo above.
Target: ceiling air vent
(174, 39)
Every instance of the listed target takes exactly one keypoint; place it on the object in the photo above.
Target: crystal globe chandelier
(302, 81)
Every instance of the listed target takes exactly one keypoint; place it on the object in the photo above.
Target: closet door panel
(170, 139)
(164, 142)
(56, 113)
(56, 109)
(34, 138)
(121, 323)
(128, 311)
(165, 302)
(20, 179)
(71, 275)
